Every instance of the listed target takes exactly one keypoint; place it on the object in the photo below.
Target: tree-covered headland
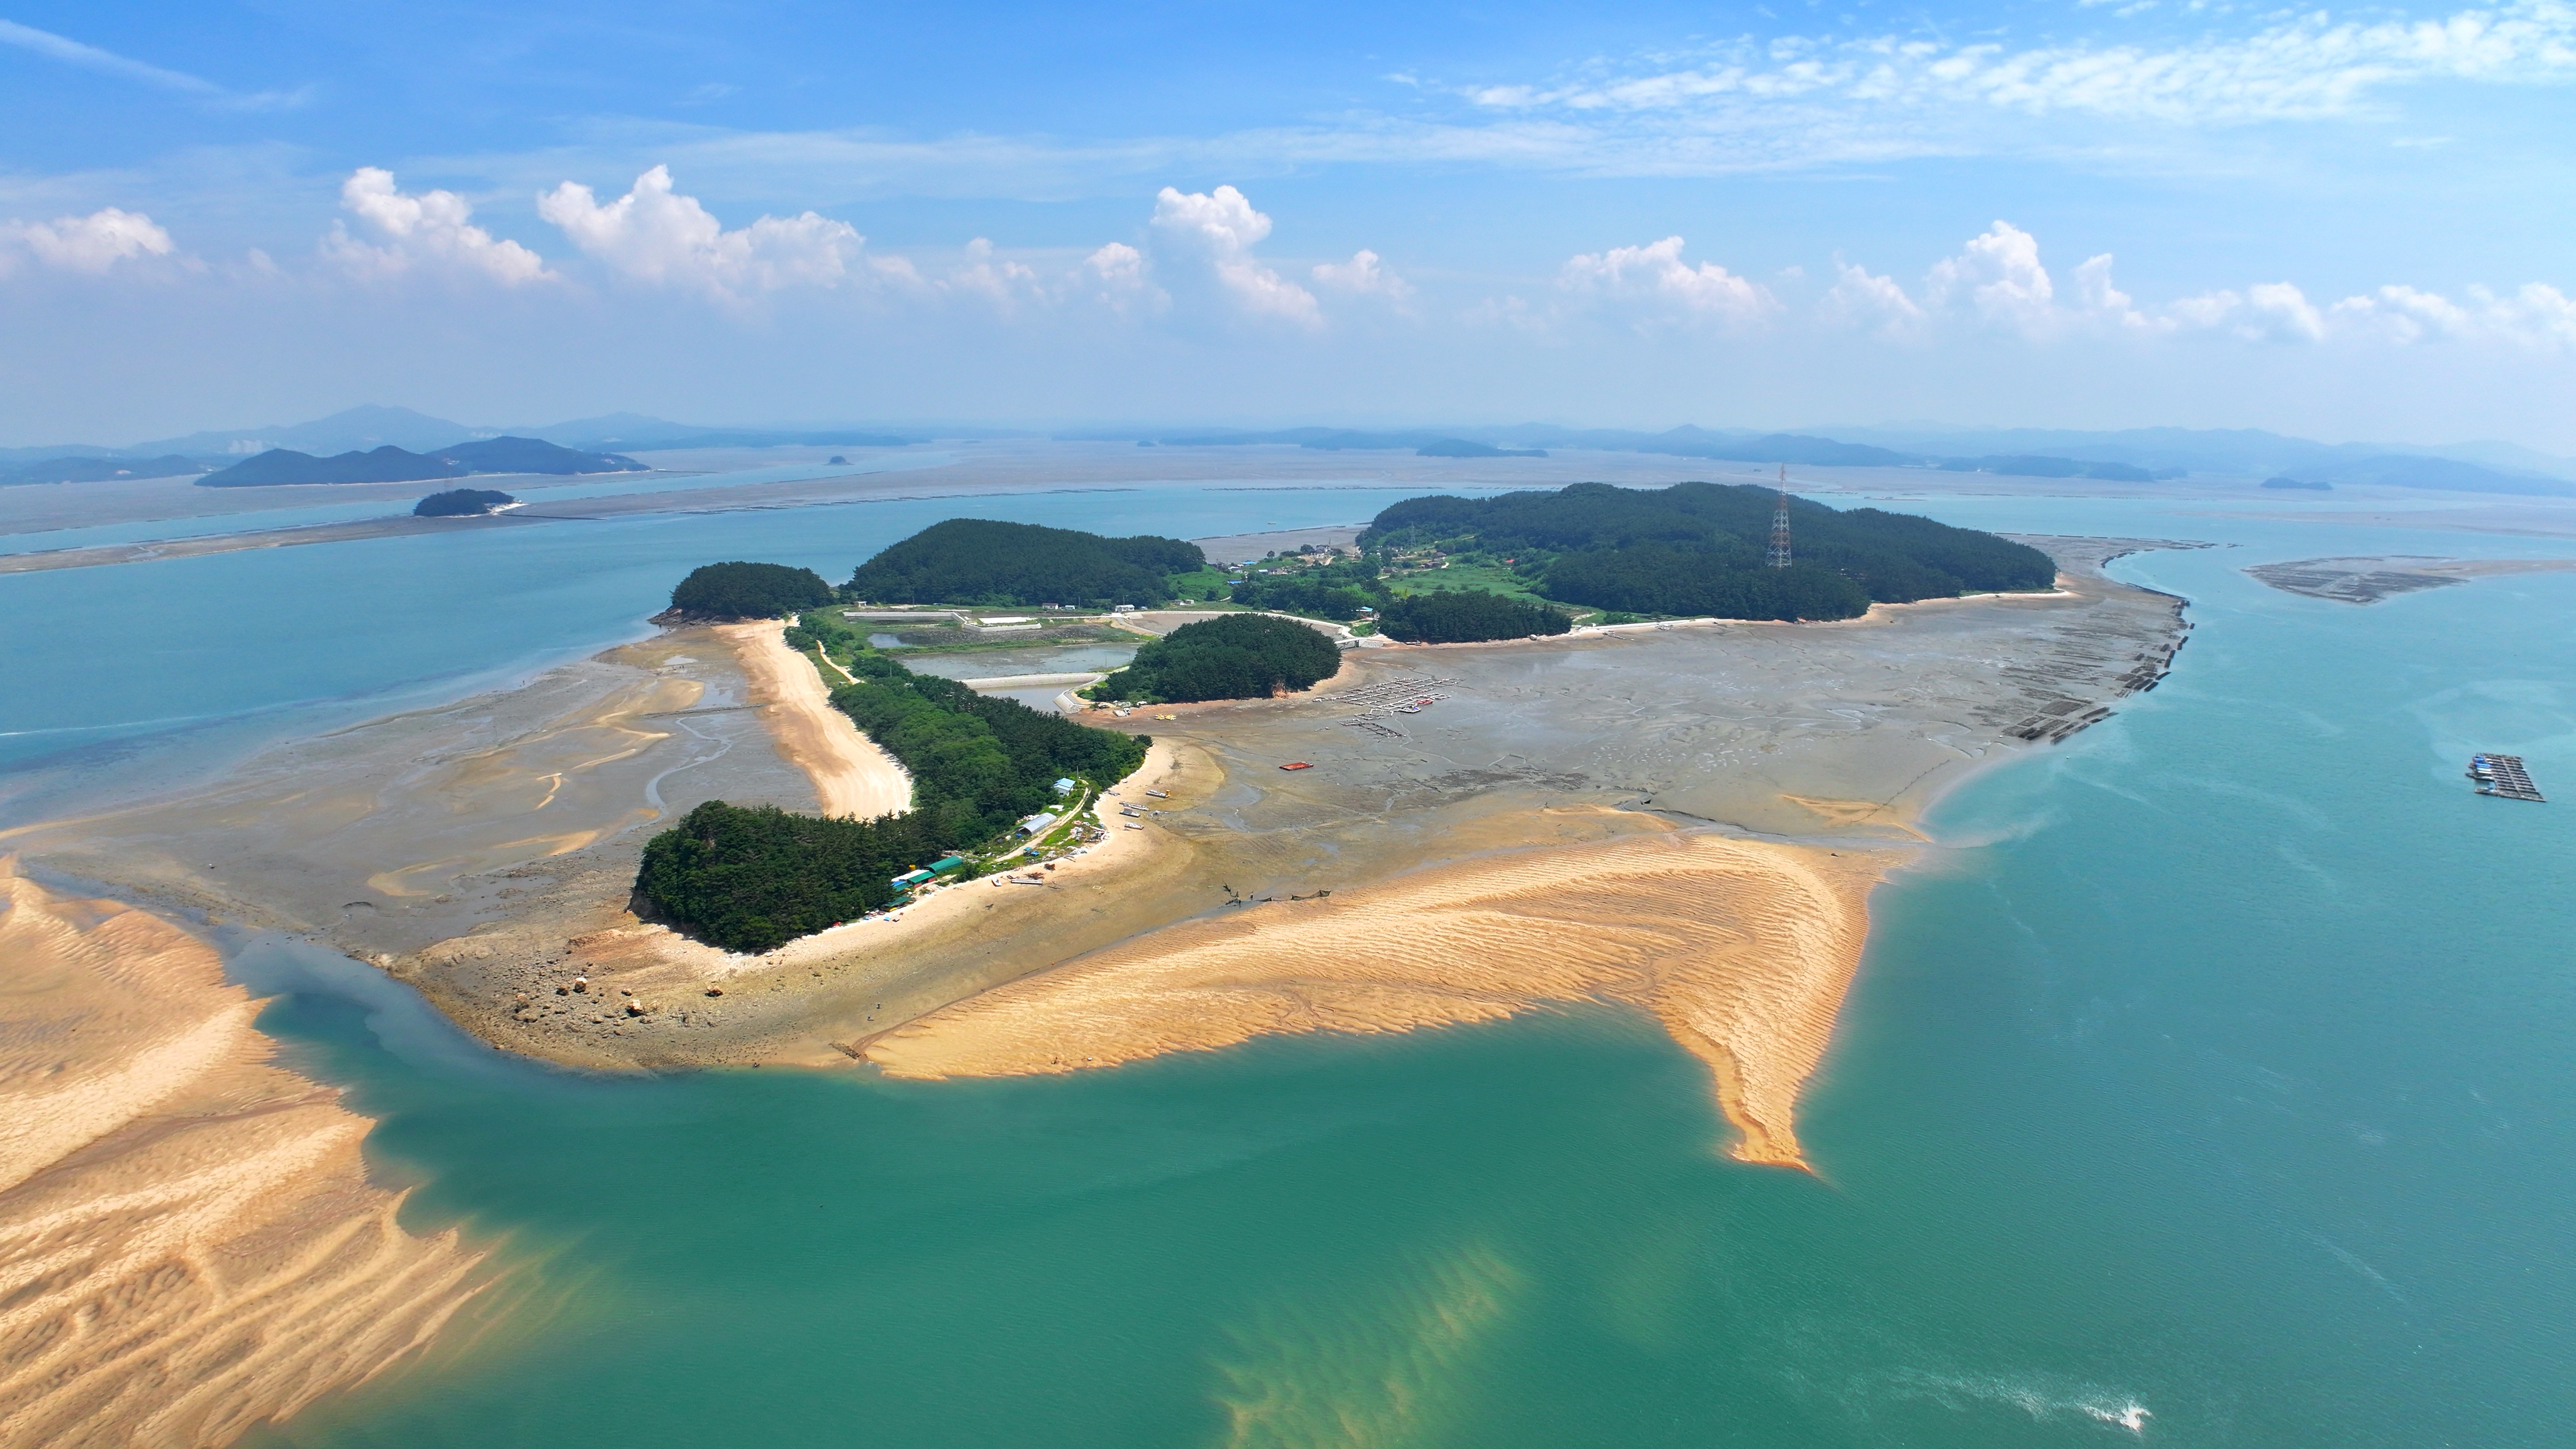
(748, 591)
(752, 878)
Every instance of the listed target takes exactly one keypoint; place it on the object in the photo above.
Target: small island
(724, 592)
(1236, 656)
(462, 503)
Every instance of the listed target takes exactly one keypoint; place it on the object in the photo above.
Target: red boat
(1297, 765)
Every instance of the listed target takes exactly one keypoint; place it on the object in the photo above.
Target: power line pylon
(1779, 555)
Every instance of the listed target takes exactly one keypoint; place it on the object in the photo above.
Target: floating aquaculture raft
(2503, 776)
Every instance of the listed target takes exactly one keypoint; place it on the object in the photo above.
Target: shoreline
(1743, 950)
(190, 1240)
(493, 871)
(852, 775)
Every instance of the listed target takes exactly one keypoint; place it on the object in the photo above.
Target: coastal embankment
(189, 1242)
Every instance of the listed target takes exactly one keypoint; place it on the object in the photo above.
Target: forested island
(462, 503)
(390, 464)
(739, 590)
(985, 563)
(752, 878)
(1700, 549)
(1236, 656)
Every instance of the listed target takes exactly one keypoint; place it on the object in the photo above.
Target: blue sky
(2345, 223)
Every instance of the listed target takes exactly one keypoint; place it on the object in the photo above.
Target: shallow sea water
(2212, 1087)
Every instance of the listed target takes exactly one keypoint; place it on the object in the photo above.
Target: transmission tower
(1779, 556)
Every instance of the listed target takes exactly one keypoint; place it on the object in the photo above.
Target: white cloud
(2264, 312)
(433, 230)
(92, 243)
(90, 57)
(654, 234)
(1860, 299)
(1118, 276)
(1999, 276)
(1655, 279)
(2537, 316)
(1216, 232)
(1364, 275)
(2103, 301)
(106, 62)
(2295, 67)
(1006, 285)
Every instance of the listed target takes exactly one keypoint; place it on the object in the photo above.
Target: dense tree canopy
(979, 561)
(1698, 548)
(1336, 592)
(1236, 656)
(749, 879)
(461, 503)
(1461, 616)
(749, 591)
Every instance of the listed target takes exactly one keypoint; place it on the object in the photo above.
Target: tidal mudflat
(484, 851)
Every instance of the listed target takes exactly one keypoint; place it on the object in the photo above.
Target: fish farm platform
(2503, 776)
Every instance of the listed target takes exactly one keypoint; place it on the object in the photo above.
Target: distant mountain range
(87, 468)
(2129, 456)
(390, 464)
(2134, 456)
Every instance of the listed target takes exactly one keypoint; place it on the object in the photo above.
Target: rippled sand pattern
(188, 1241)
(1742, 949)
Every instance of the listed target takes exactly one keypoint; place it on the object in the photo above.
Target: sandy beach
(851, 775)
(189, 1243)
(1742, 949)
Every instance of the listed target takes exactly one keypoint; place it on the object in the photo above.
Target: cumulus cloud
(433, 230)
(1859, 298)
(1364, 275)
(1999, 276)
(1006, 285)
(93, 243)
(654, 234)
(1212, 234)
(2264, 312)
(1654, 281)
(1118, 276)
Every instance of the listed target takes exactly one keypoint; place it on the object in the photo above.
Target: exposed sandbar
(1742, 949)
(189, 1244)
(851, 773)
(2369, 580)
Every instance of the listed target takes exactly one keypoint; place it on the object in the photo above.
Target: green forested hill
(1237, 656)
(1698, 548)
(982, 562)
(740, 590)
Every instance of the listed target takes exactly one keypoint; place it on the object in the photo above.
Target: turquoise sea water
(2215, 1079)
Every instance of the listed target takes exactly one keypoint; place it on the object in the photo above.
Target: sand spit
(851, 774)
(2369, 580)
(1743, 949)
(189, 1244)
